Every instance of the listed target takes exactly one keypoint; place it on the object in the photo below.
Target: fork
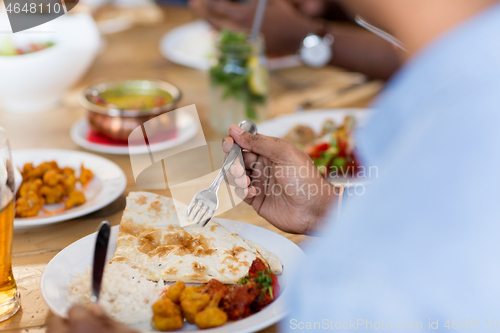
(205, 203)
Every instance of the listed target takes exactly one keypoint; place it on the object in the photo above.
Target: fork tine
(207, 219)
(195, 218)
(203, 211)
(204, 222)
(191, 206)
(193, 215)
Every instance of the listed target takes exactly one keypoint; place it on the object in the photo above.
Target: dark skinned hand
(284, 26)
(280, 181)
(86, 320)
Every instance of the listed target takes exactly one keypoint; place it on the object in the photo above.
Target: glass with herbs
(238, 81)
(9, 294)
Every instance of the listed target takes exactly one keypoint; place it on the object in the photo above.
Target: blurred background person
(288, 22)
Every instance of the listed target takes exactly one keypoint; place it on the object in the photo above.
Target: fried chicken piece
(29, 205)
(26, 170)
(50, 165)
(167, 323)
(167, 315)
(211, 316)
(53, 194)
(68, 182)
(27, 186)
(68, 171)
(46, 166)
(190, 290)
(40, 170)
(75, 198)
(192, 303)
(85, 175)
(174, 292)
(52, 177)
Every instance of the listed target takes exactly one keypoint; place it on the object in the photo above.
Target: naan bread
(152, 240)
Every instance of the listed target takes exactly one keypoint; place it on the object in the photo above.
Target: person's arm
(359, 50)
(325, 9)
(284, 28)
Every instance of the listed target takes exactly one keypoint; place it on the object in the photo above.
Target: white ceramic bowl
(37, 81)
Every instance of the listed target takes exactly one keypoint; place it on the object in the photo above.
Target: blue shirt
(422, 245)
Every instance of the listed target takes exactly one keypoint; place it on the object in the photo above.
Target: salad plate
(315, 120)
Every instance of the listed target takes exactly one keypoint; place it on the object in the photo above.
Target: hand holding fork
(205, 203)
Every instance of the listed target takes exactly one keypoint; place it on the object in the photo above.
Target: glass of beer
(9, 294)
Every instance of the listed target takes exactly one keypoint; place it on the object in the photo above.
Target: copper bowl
(117, 124)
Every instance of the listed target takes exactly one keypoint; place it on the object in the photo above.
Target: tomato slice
(315, 150)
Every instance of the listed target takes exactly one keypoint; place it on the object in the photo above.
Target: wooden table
(134, 54)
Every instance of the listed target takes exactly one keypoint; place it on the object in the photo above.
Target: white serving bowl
(36, 82)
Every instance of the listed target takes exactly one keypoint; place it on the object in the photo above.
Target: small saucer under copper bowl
(116, 108)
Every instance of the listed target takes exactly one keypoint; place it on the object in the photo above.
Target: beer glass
(9, 294)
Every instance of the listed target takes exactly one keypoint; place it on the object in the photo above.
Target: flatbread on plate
(152, 240)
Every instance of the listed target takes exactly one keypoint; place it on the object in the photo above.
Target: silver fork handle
(235, 151)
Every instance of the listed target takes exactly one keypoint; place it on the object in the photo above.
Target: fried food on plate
(75, 198)
(212, 315)
(52, 177)
(29, 205)
(85, 175)
(30, 185)
(174, 292)
(68, 183)
(52, 185)
(193, 302)
(52, 195)
(167, 315)
(236, 276)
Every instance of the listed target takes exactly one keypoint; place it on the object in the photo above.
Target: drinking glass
(9, 294)
(239, 85)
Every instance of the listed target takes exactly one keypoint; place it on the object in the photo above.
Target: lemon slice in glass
(7, 47)
(258, 80)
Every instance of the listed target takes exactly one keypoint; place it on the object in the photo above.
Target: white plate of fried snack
(59, 185)
(228, 276)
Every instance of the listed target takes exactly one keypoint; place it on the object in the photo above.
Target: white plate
(78, 256)
(280, 126)
(108, 183)
(186, 129)
(192, 45)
